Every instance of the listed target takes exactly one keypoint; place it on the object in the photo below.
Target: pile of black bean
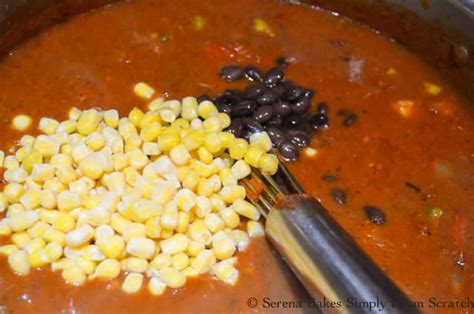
(273, 104)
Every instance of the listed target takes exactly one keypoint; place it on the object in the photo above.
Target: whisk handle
(328, 261)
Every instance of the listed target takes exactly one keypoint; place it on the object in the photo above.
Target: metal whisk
(322, 255)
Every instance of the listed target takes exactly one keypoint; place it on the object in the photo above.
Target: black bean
(301, 106)
(350, 119)
(319, 121)
(276, 135)
(243, 108)
(253, 126)
(253, 74)
(275, 122)
(288, 150)
(231, 73)
(299, 137)
(322, 107)
(376, 215)
(236, 127)
(220, 100)
(283, 61)
(293, 121)
(413, 187)
(329, 178)
(282, 109)
(263, 114)
(253, 91)
(232, 96)
(307, 93)
(273, 77)
(279, 90)
(339, 196)
(203, 97)
(267, 98)
(224, 107)
(293, 92)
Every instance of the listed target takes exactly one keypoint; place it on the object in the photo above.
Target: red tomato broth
(94, 60)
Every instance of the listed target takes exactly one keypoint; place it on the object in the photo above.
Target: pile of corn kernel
(154, 195)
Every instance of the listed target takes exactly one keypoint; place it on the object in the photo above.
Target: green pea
(435, 213)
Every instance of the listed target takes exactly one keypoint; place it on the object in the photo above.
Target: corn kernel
(38, 258)
(23, 220)
(88, 121)
(32, 158)
(34, 244)
(179, 155)
(52, 235)
(169, 217)
(173, 105)
(10, 162)
(66, 127)
(155, 104)
(13, 192)
(15, 175)
(167, 141)
(199, 232)
(48, 126)
(21, 122)
(68, 200)
(161, 260)
(53, 251)
(204, 261)
(172, 277)
(74, 275)
(153, 228)
(156, 286)
(189, 108)
(86, 265)
(79, 236)
(143, 90)
(231, 194)
(212, 142)
(107, 269)
(230, 217)
(18, 262)
(194, 139)
(241, 239)
(133, 264)
(93, 165)
(141, 247)
(246, 209)
(268, 164)
(194, 248)
(226, 271)
(38, 229)
(132, 283)
(204, 155)
(118, 223)
(3, 202)
(176, 244)
(207, 109)
(240, 169)
(223, 245)
(431, 88)
(137, 159)
(74, 113)
(212, 124)
(238, 148)
(8, 249)
(214, 223)
(46, 145)
(183, 222)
